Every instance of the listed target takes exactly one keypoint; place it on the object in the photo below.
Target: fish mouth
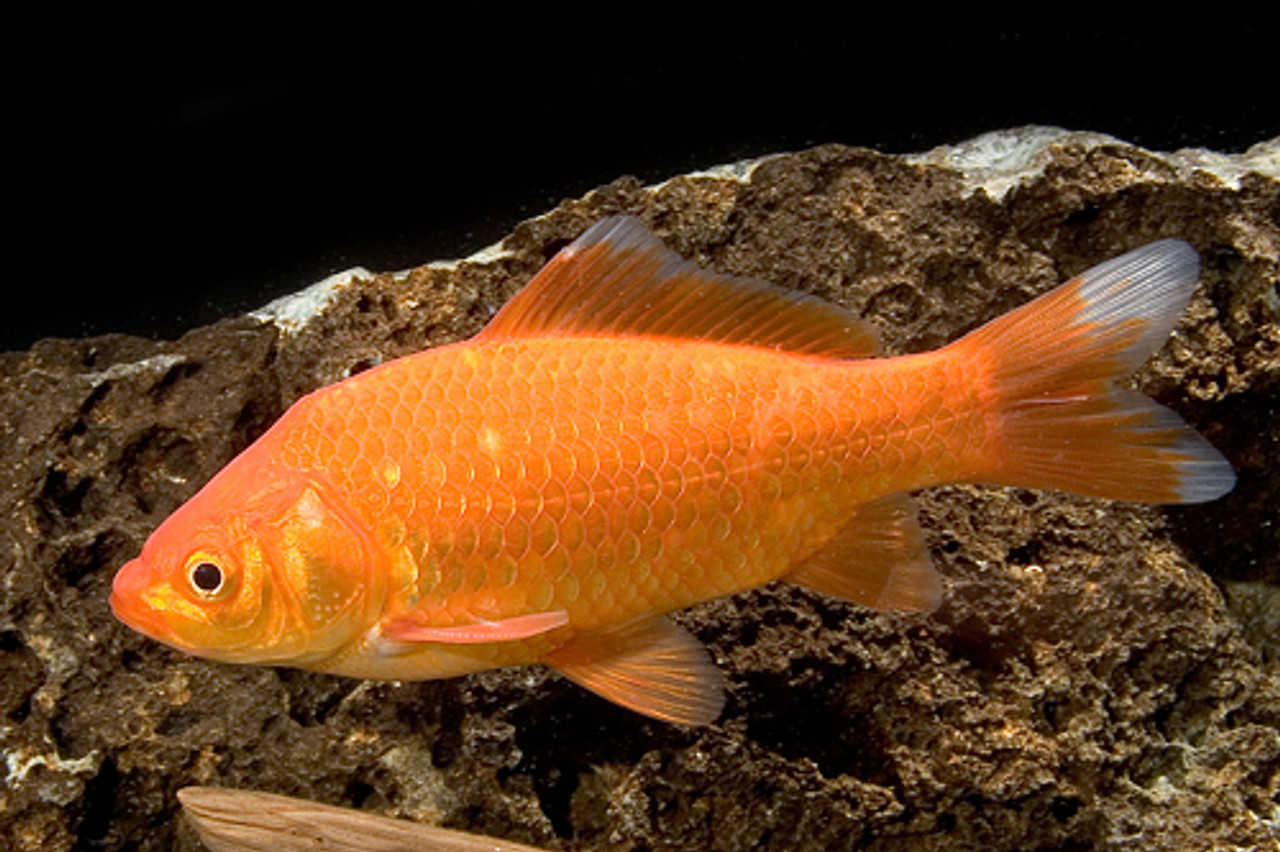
(128, 604)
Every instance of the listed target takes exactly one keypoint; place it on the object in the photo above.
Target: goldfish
(631, 435)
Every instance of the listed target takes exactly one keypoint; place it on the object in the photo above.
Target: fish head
(262, 565)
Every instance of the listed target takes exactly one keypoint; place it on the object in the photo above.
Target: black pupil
(207, 577)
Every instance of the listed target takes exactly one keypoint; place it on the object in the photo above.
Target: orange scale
(648, 486)
(714, 472)
(543, 534)
(541, 433)
(720, 529)
(347, 449)
(452, 573)
(655, 450)
(454, 402)
(662, 516)
(520, 412)
(561, 462)
(460, 472)
(596, 526)
(464, 371)
(799, 457)
(515, 536)
(625, 489)
(541, 594)
(651, 546)
(803, 426)
(696, 538)
(555, 501)
(781, 432)
(579, 495)
(650, 588)
(486, 473)
(638, 516)
(553, 566)
(612, 398)
(672, 486)
(686, 514)
(494, 409)
(586, 399)
(729, 569)
(536, 473)
(477, 575)
(526, 365)
(380, 417)
(567, 590)
(374, 447)
(501, 503)
(810, 480)
(627, 547)
(372, 499)
(686, 571)
(404, 422)
(677, 450)
(397, 447)
(514, 598)
(877, 441)
(629, 450)
(730, 499)
(768, 488)
(774, 460)
(404, 504)
(573, 532)
(587, 459)
(489, 539)
(465, 541)
(697, 441)
(603, 481)
(596, 584)
(694, 479)
(788, 485)
(824, 421)
(604, 605)
(428, 394)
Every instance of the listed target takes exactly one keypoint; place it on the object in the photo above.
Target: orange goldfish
(631, 435)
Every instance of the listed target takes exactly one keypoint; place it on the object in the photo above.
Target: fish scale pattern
(608, 478)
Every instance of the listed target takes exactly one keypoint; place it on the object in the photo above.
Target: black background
(167, 173)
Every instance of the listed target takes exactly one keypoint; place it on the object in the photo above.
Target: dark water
(164, 182)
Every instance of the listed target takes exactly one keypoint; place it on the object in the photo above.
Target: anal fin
(651, 666)
(878, 559)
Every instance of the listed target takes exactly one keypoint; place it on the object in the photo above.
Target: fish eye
(206, 577)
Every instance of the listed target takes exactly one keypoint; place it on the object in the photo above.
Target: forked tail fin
(1060, 420)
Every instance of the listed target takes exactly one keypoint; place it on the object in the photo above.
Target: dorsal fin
(619, 279)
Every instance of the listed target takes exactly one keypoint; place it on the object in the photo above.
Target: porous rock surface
(1101, 675)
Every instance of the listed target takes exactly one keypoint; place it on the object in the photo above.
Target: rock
(1087, 684)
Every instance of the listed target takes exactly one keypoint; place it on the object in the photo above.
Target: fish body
(630, 436)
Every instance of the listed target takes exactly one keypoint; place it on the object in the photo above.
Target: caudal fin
(1062, 423)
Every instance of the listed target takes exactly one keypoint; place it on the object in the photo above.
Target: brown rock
(1087, 684)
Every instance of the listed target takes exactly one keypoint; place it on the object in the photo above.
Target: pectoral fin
(651, 666)
(878, 559)
(409, 628)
